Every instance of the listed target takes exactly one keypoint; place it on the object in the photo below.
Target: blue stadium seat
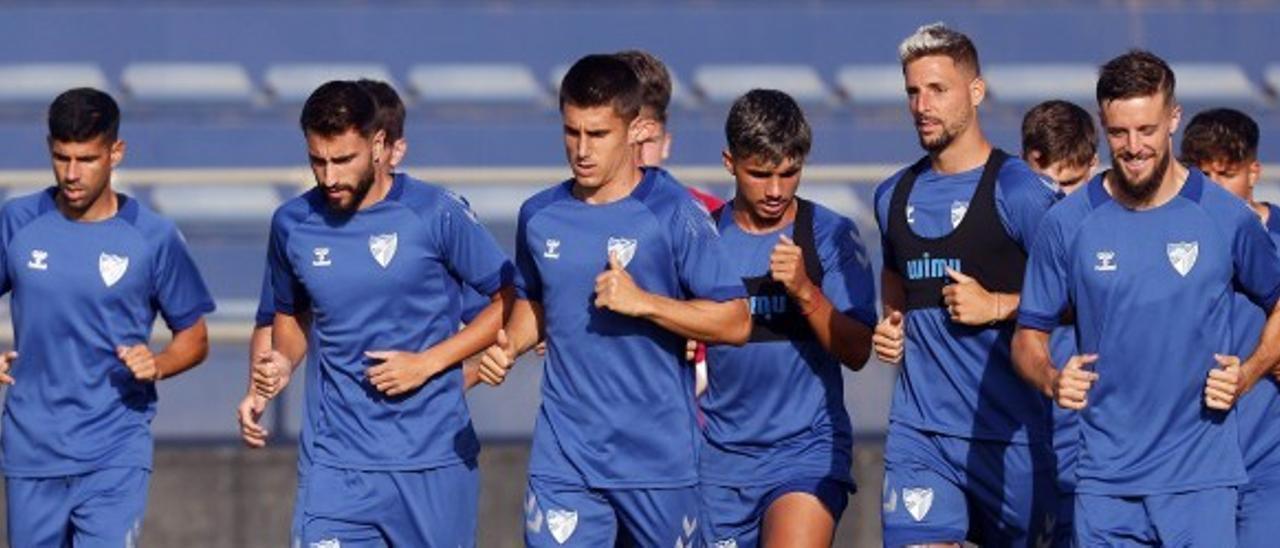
(1028, 84)
(188, 83)
(872, 85)
(724, 83)
(1216, 84)
(39, 83)
(213, 203)
(293, 83)
(479, 83)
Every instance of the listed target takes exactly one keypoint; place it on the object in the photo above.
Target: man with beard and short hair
(968, 442)
(375, 260)
(1223, 143)
(1146, 259)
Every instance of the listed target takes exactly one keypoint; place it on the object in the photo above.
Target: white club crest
(918, 501)
(562, 523)
(727, 543)
(958, 209)
(328, 543)
(383, 247)
(623, 248)
(1182, 256)
(112, 268)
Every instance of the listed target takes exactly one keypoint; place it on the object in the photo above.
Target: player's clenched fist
(271, 372)
(496, 361)
(248, 414)
(140, 361)
(967, 302)
(1071, 387)
(616, 291)
(6, 362)
(786, 266)
(1224, 383)
(887, 341)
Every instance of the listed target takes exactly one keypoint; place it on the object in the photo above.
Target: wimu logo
(927, 267)
(768, 305)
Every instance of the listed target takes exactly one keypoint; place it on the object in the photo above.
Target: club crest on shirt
(38, 257)
(112, 268)
(624, 248)
(958, 209)
(727, 543)
(327, 543)
(918, 501)
(561, 524)
(383, 247)
(1182, 255)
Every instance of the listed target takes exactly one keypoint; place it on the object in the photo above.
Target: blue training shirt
(79, 290)
(1152, 295)
(383, 278)
(775, 409)
(957, 381)
(1257, 411)
(617, 410)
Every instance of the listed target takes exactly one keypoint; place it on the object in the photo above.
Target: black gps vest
(979, 246)
(774, 316)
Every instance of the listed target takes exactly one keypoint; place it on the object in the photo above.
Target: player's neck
(1261, 209)
(617, 188)
(967, 151)
(1170, 185)
(746, 219)
(378, 192)
(102, 208)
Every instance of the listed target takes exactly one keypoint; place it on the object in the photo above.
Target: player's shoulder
(1217, 202)
(1273, 220)
(828, 222)
(545, 198)
(28, 206)
(425, 198)
(296, 209)
(142, 217)
(885, 188)
(1071, 211)
(1016, 179)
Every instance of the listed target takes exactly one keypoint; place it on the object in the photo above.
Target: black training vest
(979, 246)
(775, 317)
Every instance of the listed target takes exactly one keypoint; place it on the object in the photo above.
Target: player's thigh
(657, 517)
(1258, 516)
(558, 514)
(1112, 521)
(1013, 491)
(731, 515)
(1205, 517)
(109, 507)
(38, 511)
(324, 532)
(344, 506)
(922, 501)
(435, 508)
(804, 512)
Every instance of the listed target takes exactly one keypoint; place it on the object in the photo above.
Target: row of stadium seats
(230, 84)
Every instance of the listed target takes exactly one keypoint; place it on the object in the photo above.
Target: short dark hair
(83, 114)
(769, 125)
(1059, 131)
(390, 107)
(1137, 73)
(938, 39)
(337, 107)
(1220, 134)
(603, 80)
(654, 78)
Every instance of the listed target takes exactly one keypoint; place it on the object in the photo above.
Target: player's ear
(1254, 172)
(977, 91)
(727, 158)
(398, 151)
(117, 152)
(666, 145)
(1093, 163)
(379, 146)
(1175, 118)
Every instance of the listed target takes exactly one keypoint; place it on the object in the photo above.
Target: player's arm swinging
(1265, 359)
(187, 348)
(829, 325)
(703, 320)
(523, 329)
(888, 339)
(1031, 359)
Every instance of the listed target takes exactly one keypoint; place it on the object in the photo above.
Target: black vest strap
(978, 246)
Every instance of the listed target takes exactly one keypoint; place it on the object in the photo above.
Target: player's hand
(400, 372)
(248, 413)
(6, 362)
(271, 372)
(541, 348)
(1071, 386)
(496, 361)
(786, 266)
(616, 291)
(1224, 383)
(968, 303)
(888, 340)
(140, 361)
(690, 350)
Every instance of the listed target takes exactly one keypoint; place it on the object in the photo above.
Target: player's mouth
(928, 125)
(772, 208)
(73, 194)
(583, 170)
(1135, 164)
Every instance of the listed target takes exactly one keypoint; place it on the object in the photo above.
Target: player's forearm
(893, 295)
(1266, 357)
(477, 335)
(841, 336)
(710, 322)
(1031, 359)
(1006, 306)
(525, 325)
(188, 348)
(288, 338)
(259, 342)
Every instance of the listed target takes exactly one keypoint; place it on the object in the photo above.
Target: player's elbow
(737, 329)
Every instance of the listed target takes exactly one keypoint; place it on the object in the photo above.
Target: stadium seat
(201, 203)
(724, 83)
(476, 83)
(188, 83)
(1272, 78)
(1218, 84)
(1028, 84)
(293, 83)
(872, 85)
(681, 95)
(39, 83)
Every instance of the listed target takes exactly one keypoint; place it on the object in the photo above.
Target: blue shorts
(562, 514)
(1195, 518)
(1258, 515)
(421, 508)
(101, 508)
(938, 487)
(732, 516)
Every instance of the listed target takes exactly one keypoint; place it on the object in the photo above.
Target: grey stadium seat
(476, 83)
(724, 83)
(41, 82)
(872, 85)
(216, 202)
(1272, 77)
(1032, 83)
(293, 83)
(191, 83)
